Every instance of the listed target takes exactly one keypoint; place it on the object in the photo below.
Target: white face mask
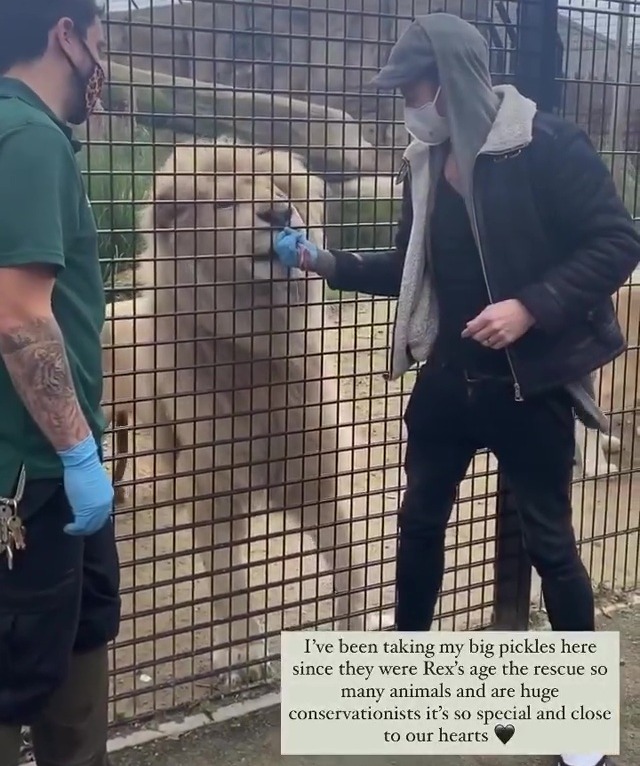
(425, 124)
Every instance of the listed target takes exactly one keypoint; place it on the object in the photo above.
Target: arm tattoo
(36, 360)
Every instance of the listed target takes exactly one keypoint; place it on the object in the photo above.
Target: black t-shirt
(460, 286)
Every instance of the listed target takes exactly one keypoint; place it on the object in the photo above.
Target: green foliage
(361, 224)
(118, 175)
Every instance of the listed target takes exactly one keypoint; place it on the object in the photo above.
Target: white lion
(230, 343)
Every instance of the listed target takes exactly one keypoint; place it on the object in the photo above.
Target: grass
(118, 175)
(362, 225)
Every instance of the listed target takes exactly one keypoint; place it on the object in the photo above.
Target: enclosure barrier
(290, 74)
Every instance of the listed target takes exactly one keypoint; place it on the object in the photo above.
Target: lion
(617, 386)
(244, 403)
(118, 391)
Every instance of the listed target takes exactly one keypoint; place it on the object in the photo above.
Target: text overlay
(379, 693)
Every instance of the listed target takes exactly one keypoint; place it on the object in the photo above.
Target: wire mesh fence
(256, 444)
(597, 90)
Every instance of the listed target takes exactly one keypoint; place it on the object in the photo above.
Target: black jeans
(447, 421)
(60, 600)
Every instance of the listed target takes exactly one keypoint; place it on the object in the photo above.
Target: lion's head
(214, 213)
(229, 202)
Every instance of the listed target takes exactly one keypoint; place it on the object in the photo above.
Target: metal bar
(243, 71)
(536, 77)
(512, 594)
(537, 52)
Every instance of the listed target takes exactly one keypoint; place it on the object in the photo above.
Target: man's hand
(500, 324)
(294, 250)
(88, 488)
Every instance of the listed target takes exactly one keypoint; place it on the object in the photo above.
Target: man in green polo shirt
(59, 601)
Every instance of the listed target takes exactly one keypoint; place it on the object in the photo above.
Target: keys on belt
(12, 532)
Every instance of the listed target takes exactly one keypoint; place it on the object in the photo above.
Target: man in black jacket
(511, 242)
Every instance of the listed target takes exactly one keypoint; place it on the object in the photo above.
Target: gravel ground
(255, 739)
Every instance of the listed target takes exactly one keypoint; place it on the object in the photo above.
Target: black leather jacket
(555, 234)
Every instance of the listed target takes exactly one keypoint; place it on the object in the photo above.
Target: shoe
(604, 761)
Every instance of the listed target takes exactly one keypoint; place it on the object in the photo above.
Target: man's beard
(78, 112)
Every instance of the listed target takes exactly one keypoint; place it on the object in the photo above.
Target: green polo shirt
(46, 218)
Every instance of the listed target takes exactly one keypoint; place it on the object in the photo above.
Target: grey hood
(416, 324)
(461, 56)
(481, 119)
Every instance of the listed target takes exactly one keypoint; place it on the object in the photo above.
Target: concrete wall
(318, 49)
(594, 68)
(326, 50)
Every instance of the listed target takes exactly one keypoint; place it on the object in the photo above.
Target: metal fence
(242, 499)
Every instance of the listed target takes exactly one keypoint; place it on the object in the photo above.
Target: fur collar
(512, 129)
(416, 323)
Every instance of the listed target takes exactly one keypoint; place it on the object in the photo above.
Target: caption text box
(493, 693)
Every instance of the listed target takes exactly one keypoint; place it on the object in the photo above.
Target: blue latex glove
(88, 488)
(294, 250)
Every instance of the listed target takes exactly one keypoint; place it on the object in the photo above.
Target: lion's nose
(278, 218)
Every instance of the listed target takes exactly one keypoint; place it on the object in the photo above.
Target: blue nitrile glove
(294, 250)
(87, 486)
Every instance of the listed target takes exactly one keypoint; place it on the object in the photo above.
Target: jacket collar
(512, 129)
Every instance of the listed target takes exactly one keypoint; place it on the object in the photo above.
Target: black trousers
(60, 601)
(448, 420)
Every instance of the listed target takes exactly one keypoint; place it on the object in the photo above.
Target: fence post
(539, 53)
(536, 76)
(513, 567)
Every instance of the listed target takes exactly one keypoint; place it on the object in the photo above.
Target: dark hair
(25, 26)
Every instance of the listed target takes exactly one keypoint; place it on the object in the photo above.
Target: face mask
(89, 88)
(425, 124)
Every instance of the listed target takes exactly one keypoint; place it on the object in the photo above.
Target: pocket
(560, 404)
(434, 399)
(37, 494)
(6, 625)
(603, 323)
(417, 395)
(37, 631)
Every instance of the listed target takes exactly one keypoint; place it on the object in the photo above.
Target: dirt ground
(163, 659)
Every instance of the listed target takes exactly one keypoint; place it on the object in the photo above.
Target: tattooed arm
(32, 348)
(38, 213)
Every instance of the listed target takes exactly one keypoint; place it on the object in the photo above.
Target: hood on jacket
(460, 55)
